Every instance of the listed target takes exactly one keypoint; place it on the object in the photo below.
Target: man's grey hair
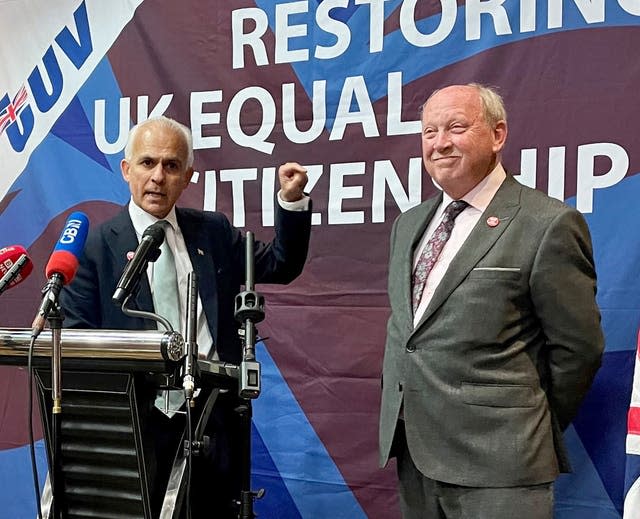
(493, 108)
(166, 122)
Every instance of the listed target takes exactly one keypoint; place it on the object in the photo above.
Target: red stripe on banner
(633, 420)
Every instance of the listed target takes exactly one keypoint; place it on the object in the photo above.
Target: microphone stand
(145, 315)
(50, 310)
(55, 318)
(249, 309)
(191, 448)
(191, 336)
(134, 290)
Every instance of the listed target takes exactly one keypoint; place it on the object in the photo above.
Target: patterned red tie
(433, 248)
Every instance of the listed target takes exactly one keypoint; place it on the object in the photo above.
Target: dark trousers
(425, 498)
(216, 476)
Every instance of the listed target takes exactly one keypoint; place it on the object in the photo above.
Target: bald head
(462, 136)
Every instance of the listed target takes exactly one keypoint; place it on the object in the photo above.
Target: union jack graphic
(9, 114)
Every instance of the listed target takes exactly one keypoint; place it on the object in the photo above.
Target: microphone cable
(189, 458)
(32, 449)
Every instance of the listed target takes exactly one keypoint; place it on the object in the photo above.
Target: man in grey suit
(493, 343)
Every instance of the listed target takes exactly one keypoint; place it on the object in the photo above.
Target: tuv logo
(17, 112)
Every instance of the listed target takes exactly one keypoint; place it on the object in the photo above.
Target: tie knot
(454, 209)
(165, 224)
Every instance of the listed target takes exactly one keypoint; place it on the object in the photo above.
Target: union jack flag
(10, 113)
(632, 476)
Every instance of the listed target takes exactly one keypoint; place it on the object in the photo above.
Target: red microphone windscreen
(64, 263)
(8, 257)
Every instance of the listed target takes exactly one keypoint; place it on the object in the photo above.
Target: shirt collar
(141, 219)
(481, 195)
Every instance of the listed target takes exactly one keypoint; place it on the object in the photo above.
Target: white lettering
(257, 141)
(159, 109)
(237, 177)
(591, 10)
(354, 87)
(318, 119)
(376, 24)
(384, 174)
(210, 191)
(200, 118)
(252, 39)
(528, 164)
(106, 147)
(314, 172)
(339, 29)
(339, 192)
(395, 124)
(527, 15)
(268, 198)
(284, 32)
(555, 187)
(414, 36)
(630, 6)
(587, 181)
(494, 8)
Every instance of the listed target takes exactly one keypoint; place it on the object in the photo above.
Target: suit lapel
(505, 205)
(124, 240)
(199, 245)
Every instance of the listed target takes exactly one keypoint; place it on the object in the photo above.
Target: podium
(103, 458)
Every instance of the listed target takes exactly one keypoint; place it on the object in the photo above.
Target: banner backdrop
(337, 86)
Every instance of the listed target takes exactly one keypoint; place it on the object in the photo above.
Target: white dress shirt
(478, 199)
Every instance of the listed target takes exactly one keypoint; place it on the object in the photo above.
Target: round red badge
(130, 255)
(493, 221)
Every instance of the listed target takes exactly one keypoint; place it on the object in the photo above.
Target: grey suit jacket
(505, 351)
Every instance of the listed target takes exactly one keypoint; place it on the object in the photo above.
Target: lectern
(103, 462)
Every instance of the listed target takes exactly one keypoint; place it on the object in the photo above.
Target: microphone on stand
(60, 270)
(62, 265)
(249, 310)
(15, 266)
(147, 250)
(191, 335)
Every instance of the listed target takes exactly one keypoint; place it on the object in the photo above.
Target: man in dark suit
(158, 167)
(494, 336)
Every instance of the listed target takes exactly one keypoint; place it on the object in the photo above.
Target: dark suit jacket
(217, 253)
(506, 349)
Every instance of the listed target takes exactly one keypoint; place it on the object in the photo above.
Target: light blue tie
(165, 283)
(166, 302)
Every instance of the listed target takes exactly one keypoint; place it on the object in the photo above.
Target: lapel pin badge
(493, 221)
(130, 255)
(200, 252)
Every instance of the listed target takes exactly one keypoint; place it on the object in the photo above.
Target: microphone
(62, 265)
(191, 335)
(148, 250)
(15, 266)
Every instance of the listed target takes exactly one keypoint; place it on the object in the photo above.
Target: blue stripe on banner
(304, 464)
(581, 494)
(64, 170)
(17, 497)
(277, 502)
(76, 178)
(613, 228)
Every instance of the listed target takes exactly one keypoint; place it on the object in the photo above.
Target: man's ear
(499, 136)
(187, 176)
(124, 168)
